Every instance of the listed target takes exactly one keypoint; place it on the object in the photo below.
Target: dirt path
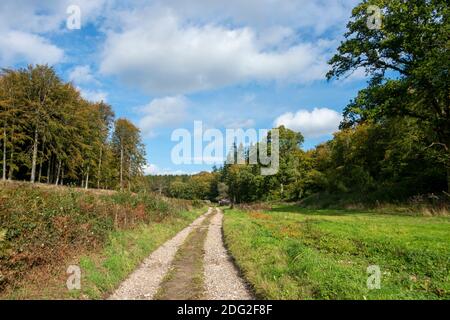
(192, 265)
(144, 282)
(185, 281)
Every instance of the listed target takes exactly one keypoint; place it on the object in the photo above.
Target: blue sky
(165, 64)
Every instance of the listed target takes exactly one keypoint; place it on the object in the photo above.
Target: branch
(439, 144)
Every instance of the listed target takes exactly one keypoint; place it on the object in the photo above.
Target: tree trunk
(121, 167)
(4, 154)
(11, 157)
(87, 178)
(448, 178)
(447, 149)
(41, 162)
(33, 165)
(62, 176)
(40, 172)
(49, 168)
(11, 165)
(99, 167)
(58, 170)
(129, 175)
(82, 176)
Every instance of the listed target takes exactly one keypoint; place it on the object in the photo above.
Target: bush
(39, 226)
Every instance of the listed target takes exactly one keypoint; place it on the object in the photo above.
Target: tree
(105, 124)
(14, 119)
(49, 132)
(129, 149)
(39, 85)
(182, 190)
(408, 60)
(222, 189)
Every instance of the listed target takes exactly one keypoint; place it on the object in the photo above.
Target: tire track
(222, 280)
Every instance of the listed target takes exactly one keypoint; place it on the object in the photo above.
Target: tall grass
(423, 204)
(40, 226)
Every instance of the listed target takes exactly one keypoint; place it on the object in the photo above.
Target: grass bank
(381, 201)
(44, 230)
(293, 253)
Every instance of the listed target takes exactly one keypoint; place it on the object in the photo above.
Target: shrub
(38, 226)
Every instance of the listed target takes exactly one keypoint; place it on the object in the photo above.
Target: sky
(165, 64)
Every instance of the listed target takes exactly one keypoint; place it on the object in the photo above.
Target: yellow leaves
(2, 235)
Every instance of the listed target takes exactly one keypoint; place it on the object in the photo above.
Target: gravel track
(144, 282)
(222, 281)
(221, 278)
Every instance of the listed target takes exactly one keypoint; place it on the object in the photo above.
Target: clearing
(293, 253)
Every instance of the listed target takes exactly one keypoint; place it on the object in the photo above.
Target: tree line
(50, 134)
(201, 186)
(394, 141)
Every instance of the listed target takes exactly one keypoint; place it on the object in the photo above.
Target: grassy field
(43, 230)
(293, 253)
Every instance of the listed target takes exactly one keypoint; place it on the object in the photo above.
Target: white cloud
(276, 36)
(357, 75)
(249, 98)
(176, 46)
(167, 111)
(315, 123)
(162, 55)
(239, 123)
(93, 95)
(26, 24)
(152, 169)
(228, 118)
(82, 74)
(45, 16)
(17, 46)
(317, 15)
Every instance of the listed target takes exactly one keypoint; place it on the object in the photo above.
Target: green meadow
(293, 253)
